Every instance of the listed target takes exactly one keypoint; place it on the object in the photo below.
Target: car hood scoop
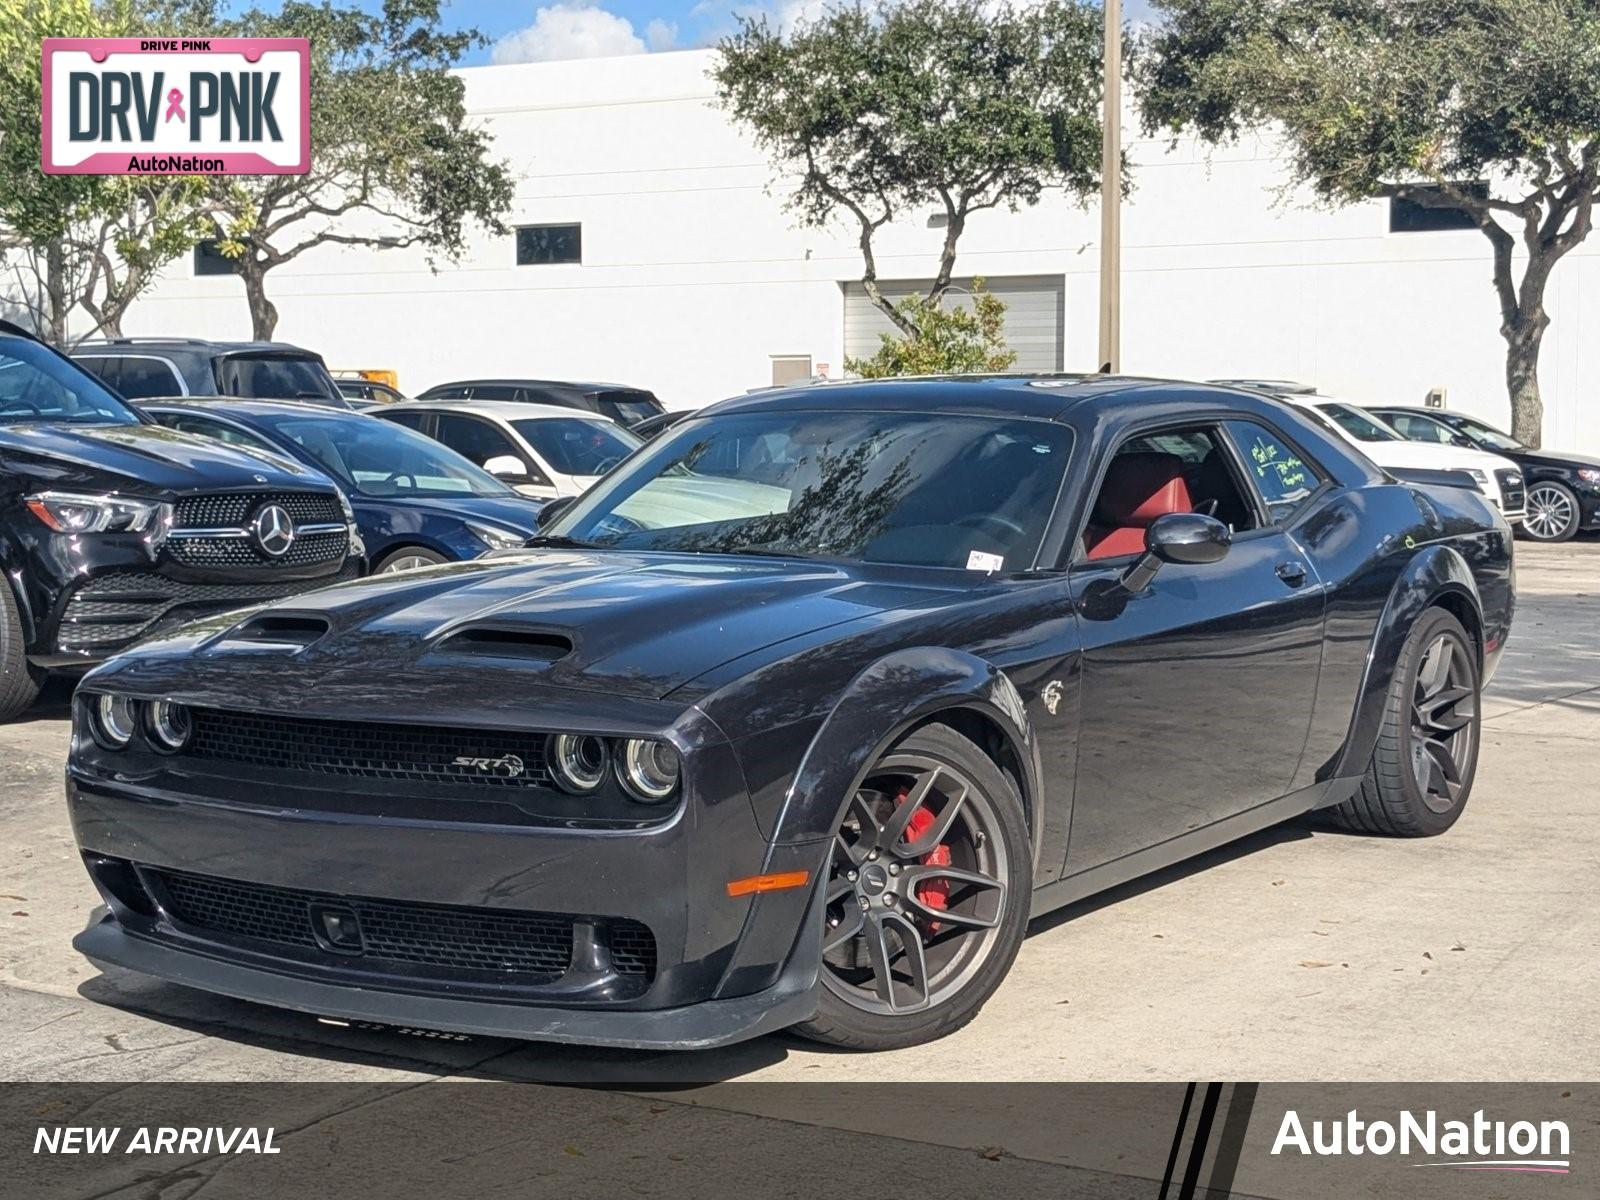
(612, 622)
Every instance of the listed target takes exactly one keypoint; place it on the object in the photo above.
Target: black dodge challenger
(796, 717)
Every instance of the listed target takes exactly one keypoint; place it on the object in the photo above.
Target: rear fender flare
(1434, 572)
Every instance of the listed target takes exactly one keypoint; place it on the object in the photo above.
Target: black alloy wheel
(927, 895)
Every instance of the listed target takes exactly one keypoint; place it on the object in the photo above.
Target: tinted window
(1284, 479)
(1486, 435)
(479, 440)
(411, 420)
(37, 385)
(539, 244)
(496, 391)
(1422, 429)
(971, 493)
(276, 377)
(1357, 424)
(628, 407)
(218, 430)
(143, 378)
(378, 458)
(1175, 470)
(574, 446)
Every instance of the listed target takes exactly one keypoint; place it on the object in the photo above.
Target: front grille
(444, 937)
(307, 550)
(230, 510)
(1513, 492)
(369, 750)
(119, 607)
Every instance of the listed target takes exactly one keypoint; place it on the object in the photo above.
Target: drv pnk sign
(176, 106)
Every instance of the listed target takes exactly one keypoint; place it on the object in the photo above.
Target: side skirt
(1072, 888)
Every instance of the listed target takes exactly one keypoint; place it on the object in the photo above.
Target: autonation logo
(1476, 1145)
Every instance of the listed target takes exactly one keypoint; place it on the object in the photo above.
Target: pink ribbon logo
(175, 105)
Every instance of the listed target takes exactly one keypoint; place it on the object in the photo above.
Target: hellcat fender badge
(1051, 695)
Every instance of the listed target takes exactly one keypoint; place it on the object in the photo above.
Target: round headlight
(579, 761)
(114, 720)
(170, 725)
(648, 769)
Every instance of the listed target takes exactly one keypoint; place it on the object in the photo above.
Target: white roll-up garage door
(1035, 315)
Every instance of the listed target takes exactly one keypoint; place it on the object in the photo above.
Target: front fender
(1436, 571)
(887, 698)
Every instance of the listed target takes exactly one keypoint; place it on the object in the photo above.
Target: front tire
(1553, 512)
(409, 558)
(928, 890)
(1422, 768)
(19, 680)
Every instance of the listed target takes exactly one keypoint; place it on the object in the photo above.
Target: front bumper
(446, 867)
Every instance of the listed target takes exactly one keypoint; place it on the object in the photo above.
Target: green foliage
(1413, 99)
(945, 341)
(874, 110)
(391, 145)
(87, 241)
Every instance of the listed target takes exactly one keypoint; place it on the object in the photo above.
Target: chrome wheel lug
(888, 899)
(894, 868)
(873, 856)
(865, 904)
(851, 876)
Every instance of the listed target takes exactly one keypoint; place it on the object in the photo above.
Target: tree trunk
(55, 293)
(1523, 340)
(263, 313)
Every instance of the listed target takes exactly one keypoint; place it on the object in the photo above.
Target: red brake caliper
(934, 894)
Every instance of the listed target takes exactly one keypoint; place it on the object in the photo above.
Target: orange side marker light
(781, 881)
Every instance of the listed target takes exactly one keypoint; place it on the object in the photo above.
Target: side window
(1151, 475)
(103, 367)
(494, 392)
(411, 420)
(476, 439)
(145, 378)
(1421, 429)
(1284, 479)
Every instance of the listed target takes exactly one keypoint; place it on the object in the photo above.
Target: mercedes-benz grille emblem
(274, 530)
(507, 767)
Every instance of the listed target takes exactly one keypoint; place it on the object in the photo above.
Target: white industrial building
(693, 281)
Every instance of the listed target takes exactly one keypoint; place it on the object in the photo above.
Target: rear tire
(1421, 772)
(20, 681)
(929, 884)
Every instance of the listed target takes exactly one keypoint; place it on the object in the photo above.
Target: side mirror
(508, 467)
(554, 509)
(1191, 538)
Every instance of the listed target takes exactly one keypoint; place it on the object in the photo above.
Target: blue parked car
(416, 502)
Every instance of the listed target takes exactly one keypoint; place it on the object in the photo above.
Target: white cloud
(579, 30)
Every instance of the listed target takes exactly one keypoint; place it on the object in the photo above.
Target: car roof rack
(137, 341)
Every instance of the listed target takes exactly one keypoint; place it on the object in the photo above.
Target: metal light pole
(1111, 196)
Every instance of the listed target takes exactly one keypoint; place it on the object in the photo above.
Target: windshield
(915, 489)
(37, 385)
(277, 377)
(380, 459)
(575, 446)
(628, 407)
(1359, 425)
(1486, 435)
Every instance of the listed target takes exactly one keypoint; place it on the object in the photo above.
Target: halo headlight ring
(168, 725)
(648, 769)
(578, 762)
(113, 719)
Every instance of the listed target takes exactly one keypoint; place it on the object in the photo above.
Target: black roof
(1043, 397)
(556, 384)
(195, 344)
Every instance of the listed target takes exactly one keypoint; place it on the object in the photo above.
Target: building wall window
(538, 245)
(1408, 216)
(208, 260)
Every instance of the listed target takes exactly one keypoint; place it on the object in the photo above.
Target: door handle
(1292, 572)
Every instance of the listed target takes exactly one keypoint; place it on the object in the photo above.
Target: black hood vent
(488, 641)
(291, 631)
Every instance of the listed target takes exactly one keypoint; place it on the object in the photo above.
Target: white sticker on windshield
(980, 561)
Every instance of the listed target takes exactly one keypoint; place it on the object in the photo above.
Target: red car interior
(1139, 487)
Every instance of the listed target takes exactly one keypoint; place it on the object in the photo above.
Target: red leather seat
(1138, 489)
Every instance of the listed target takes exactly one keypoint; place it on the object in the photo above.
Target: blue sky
(526, 30)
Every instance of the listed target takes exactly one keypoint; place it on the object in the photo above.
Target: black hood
(640, 625)
(1549, 458)
(143, 460)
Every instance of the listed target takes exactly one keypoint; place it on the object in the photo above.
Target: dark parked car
(142, 368)
(1563, 490)
(113, 528)
(655, 426)
(625, 405)
(416, 502)
(796, 717)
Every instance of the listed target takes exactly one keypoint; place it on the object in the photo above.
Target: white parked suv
(543, 450)
(1499, 479)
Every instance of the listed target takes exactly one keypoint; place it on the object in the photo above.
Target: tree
(394, 161)
(957, 105)
(82, 241)
(945, 341)
(1489, 108)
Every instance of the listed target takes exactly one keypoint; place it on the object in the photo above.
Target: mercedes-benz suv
(113, 528)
